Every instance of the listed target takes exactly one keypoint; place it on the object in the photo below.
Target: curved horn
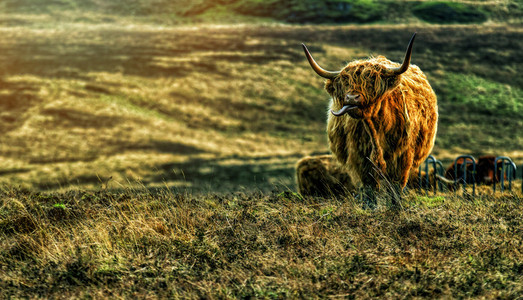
(406, 60)
(319, 70)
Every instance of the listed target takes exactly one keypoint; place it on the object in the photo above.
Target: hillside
(226, 108)
(165, 12)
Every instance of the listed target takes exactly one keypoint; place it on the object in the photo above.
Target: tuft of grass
(59, 205)
(431, 201)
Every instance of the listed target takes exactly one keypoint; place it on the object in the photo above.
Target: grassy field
(161, 244)
(148, 152)
(223, 108)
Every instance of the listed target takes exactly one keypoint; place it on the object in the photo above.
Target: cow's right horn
(406, 60)
(319, 70)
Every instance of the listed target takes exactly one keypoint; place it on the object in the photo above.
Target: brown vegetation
(167, 245)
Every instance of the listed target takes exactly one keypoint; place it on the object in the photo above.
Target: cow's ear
(392, 81)
(329, 87)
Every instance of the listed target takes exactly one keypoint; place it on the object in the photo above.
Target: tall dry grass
(137, 243)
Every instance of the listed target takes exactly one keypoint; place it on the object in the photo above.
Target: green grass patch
(443, 12)
(471, 93)
(429, 201)
(59, 205)
(311, 11)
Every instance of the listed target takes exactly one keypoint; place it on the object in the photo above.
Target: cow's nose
(353, 97)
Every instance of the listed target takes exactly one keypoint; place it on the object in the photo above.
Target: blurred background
(216, 96)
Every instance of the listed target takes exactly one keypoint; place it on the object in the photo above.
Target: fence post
(420, 186)
(441, 172)
(466, 159)
(510, 171)
(435, 163)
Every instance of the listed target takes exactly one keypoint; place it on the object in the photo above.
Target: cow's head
(360, 86)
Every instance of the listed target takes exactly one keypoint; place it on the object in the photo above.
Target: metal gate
(438, 168)
(507, 169)
(467, 159)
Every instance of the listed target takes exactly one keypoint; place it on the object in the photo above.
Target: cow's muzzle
(351, 105)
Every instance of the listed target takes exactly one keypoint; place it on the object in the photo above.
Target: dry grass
(213, 108)
(164, 244)
(138, 113)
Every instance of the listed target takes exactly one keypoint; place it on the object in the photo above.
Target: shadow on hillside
(70, 118)
(221, 175)
(180, 53)
(197, 175)
(119, 148)
(132, 53)
(163, 147)
(16, 98)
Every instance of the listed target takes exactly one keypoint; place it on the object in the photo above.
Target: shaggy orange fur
(392, 130)
(322, 176)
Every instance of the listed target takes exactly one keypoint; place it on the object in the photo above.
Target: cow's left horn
(319, 70)
(406, 60)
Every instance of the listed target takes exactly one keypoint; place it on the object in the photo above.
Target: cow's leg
(398, 184)
(374, 168)
(368, 196)
(377, 150)
(370, 186)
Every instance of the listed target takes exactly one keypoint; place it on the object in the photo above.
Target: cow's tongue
(343, 110)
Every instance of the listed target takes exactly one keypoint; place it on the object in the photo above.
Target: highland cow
(322, 176)
(383, 121)
(484, 171)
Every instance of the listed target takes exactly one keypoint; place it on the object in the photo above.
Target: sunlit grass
(98, 124)
(175, 105)
(166, 243)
